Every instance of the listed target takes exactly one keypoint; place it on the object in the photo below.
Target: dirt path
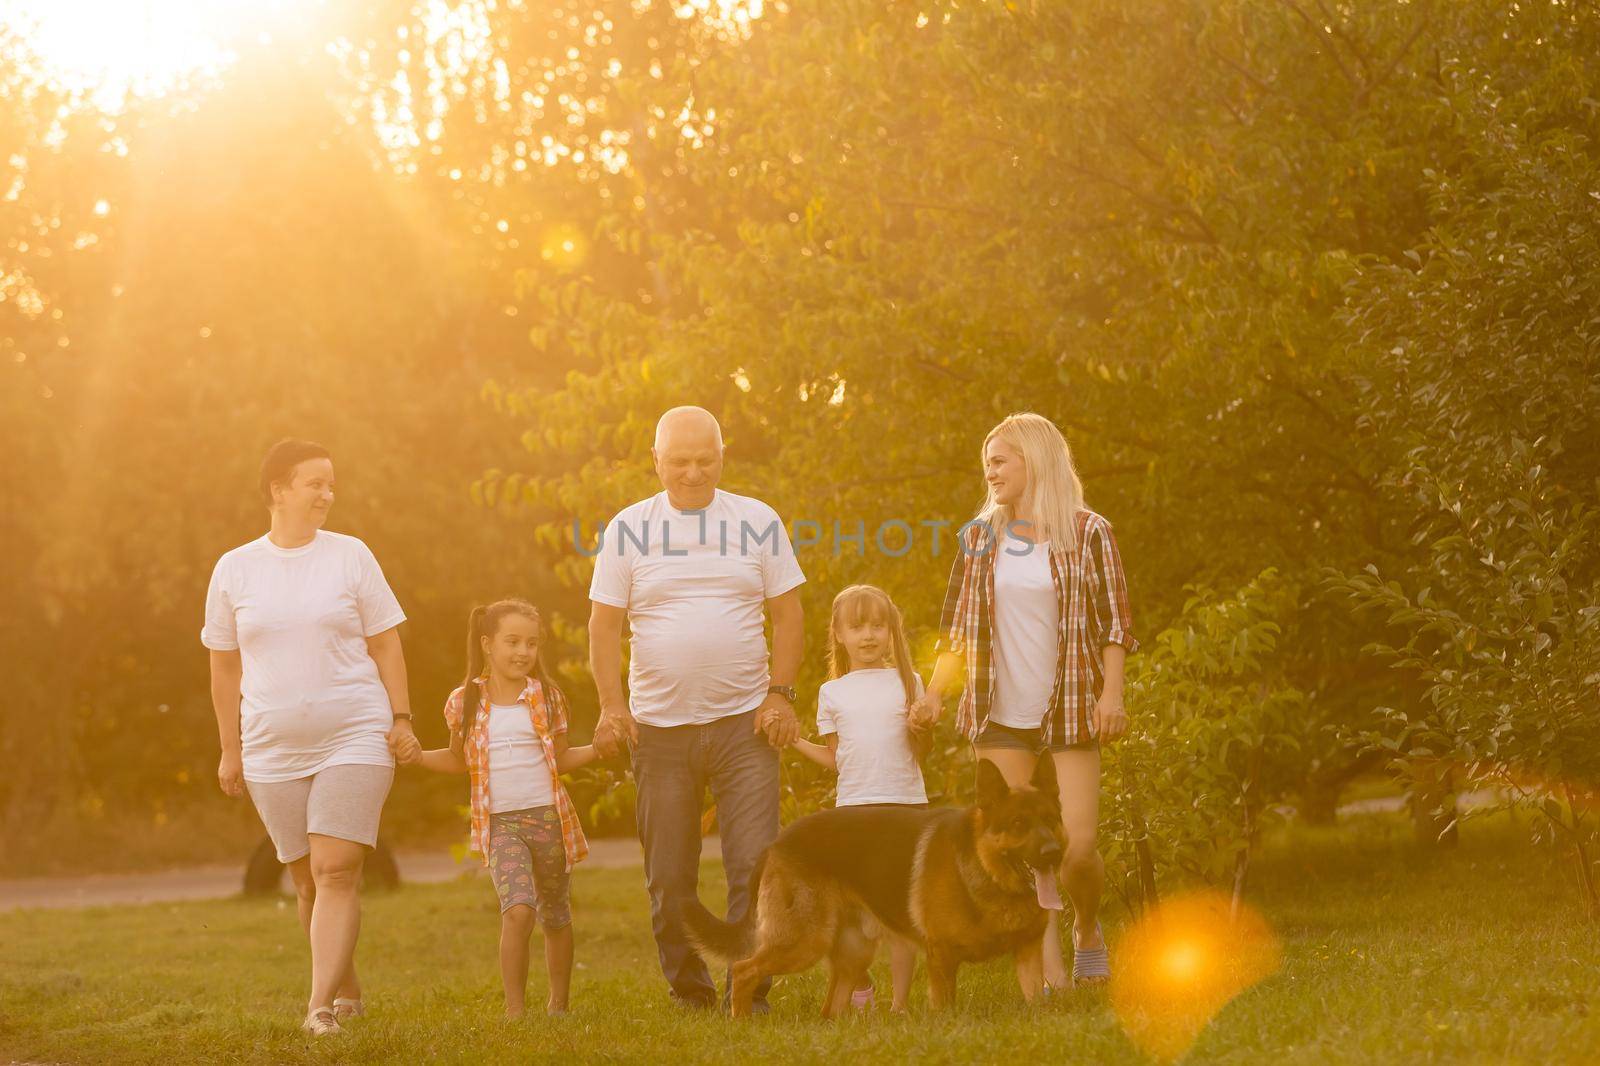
(419, 867)
(223, 880)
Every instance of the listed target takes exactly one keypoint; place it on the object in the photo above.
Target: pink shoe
(861, 998)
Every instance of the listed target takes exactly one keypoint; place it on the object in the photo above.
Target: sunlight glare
(1182, 963)
(106, 52)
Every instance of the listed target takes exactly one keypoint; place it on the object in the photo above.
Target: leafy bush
(1482, 381)
(1218, 734)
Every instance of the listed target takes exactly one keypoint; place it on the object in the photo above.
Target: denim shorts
(995, 735)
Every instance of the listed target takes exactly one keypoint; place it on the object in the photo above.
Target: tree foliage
(1308, 287)
(1156, 224)
(1482, 379)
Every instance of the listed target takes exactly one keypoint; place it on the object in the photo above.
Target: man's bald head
(688, 454)
(687, 426)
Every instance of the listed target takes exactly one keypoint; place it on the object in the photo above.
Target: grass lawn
(1480, 955)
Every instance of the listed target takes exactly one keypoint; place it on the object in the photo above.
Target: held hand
(408, 750)
(230, 773)
(918, 718)
(778, 721)
(614, 729)
(605, 738)
(403, 743)
(1109, 716)
(925, 712)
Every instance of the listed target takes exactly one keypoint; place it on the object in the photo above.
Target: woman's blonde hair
(869, 603)
(1054, 494)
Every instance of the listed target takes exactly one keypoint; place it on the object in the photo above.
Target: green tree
(1111, 215)
(1482, 382)
(255, 272)
(1138, 221)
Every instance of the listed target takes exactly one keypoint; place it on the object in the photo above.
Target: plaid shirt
(549, 719)
(1093, 598)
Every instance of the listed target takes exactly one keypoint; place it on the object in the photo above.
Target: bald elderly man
(691, 569)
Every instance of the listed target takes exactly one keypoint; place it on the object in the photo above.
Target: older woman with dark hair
(308, 682)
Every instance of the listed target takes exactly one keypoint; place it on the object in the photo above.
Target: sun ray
(105, 53)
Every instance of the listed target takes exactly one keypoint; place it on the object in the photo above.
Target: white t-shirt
(695, 585)
(519, 778)
(867, 709)
(300, 618)
(1027, 617)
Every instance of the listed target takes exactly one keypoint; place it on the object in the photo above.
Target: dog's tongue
(1044, 884)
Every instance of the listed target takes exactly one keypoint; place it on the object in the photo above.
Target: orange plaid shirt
(549, 717)
(1092, 595)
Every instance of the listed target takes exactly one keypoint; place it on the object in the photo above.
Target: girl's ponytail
(485, 622)
(838, 658)
(470, 691)
(902, 653)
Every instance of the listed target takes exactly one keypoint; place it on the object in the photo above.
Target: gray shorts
(339, 801)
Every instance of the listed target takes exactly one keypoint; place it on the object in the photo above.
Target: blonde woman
(1036, 624)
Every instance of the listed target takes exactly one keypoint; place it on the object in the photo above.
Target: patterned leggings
(528, 863)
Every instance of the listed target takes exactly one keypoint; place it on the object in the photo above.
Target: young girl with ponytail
(508, 732)
(869, 738)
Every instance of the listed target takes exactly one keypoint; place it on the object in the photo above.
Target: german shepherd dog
(966, 884)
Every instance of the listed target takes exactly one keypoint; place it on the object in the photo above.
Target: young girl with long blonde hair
(868, 738)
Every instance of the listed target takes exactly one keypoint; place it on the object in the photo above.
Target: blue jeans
(672, 767)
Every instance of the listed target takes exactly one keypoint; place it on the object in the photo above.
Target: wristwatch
(786, 691)
(403, 715)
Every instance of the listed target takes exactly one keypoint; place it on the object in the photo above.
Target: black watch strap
(786, 691)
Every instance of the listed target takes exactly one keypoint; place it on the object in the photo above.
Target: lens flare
(1182, 961)
(1180, 965)
(564, 247)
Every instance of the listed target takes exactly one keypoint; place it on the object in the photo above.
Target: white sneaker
(321, 1022)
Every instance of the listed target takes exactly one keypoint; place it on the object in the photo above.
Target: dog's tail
(717, 940)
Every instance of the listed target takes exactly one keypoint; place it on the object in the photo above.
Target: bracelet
(403, 716)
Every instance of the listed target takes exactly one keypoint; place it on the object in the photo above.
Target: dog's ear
(1044, 775)
(992, 787)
